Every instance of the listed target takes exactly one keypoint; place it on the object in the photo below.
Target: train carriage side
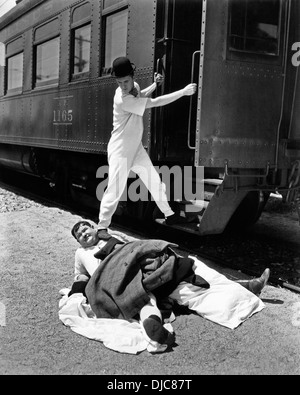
(56, 93)
(290, 129)
(247, 128)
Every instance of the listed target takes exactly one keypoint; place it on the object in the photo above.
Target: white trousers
(151, 309)
(118, 172)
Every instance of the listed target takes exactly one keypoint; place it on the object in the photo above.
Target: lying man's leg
(226, 302)
(256, 285)
(151, 320)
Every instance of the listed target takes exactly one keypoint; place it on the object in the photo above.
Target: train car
(239, 136)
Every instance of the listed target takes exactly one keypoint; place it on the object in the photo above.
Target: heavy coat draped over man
(118, 288)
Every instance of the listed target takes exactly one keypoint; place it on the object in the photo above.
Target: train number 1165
(62, 115)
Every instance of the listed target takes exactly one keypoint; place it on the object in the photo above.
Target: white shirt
(85, 262)
(128, 124)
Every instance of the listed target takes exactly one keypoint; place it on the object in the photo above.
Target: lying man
(124, 279)
(87, 259)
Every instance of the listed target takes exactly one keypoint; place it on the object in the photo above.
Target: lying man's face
(86, 236)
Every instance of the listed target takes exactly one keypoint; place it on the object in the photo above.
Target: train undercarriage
(228, 201)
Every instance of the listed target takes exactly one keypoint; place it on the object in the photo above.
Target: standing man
(125, 149)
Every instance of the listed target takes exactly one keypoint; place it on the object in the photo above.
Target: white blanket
(116, 334)
(226, 302)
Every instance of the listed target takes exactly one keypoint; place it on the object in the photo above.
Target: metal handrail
(288, 17)
(246, 175)
(191, 100)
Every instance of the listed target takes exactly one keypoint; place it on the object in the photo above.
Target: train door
(240, 84)
(240, 94)
(178, 27)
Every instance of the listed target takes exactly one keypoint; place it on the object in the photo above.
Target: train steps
(214, 212)
(194, 210)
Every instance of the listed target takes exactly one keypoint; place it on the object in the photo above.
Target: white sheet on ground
(119, 335)
(226, 302)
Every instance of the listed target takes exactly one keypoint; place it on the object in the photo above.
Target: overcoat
(118, 288)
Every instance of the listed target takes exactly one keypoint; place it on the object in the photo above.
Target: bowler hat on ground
(122, 67)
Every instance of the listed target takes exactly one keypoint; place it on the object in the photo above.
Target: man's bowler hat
(122, 67)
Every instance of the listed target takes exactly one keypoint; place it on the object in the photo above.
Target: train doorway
(177, 37)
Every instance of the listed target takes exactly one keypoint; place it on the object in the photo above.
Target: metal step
(190, 208)
(192, 227)
(210, 184)
(213, 181)
(198, 206)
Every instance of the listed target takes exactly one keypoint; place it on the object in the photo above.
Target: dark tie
(134, 92)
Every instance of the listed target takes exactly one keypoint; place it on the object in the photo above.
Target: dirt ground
(36, 261)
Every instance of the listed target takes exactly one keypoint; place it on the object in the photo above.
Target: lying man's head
(85, 233)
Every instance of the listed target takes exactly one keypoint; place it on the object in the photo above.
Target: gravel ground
(36, 261)
(10, 202)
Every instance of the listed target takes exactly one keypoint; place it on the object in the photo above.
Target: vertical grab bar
(159, 65)
(191, 100)
(157, 110)
(286, 49)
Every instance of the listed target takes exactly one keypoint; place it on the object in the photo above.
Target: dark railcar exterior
(243, 126)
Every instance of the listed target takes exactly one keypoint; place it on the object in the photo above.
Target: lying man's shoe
(157, 332)
(257, 284)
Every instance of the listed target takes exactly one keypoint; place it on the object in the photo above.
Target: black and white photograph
(149, 190)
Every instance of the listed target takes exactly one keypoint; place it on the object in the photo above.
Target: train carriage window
(112, 3)
(2, 54)
(46, 52)
(254, 26)
(81, 41)
(47, 62)
(81, 13)
(115, 36)
(14, 66)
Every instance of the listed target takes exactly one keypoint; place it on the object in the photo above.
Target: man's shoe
(157, 332)
(257, 284)
(175, 219)
(103, 234)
